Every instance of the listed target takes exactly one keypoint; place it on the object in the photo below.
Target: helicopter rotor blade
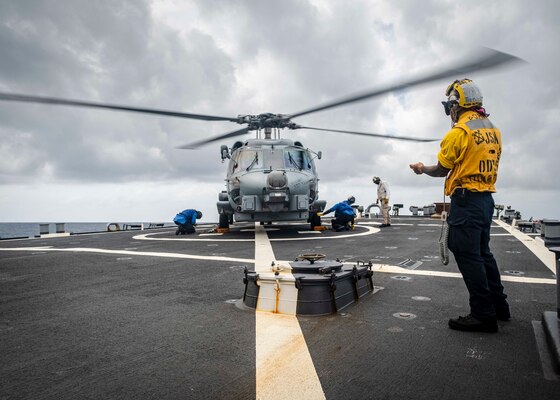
(485, 60)
(379, 135)
(192, 146)
(77, 103)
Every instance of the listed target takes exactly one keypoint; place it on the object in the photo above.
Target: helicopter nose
(277, 193)
(277, 180)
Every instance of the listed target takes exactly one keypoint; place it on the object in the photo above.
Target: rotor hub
(266, 120)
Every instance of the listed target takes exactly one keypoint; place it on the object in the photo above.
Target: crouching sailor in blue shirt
(186, 220)
(343, 215)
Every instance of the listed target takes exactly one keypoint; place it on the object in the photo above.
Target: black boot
(472, 324)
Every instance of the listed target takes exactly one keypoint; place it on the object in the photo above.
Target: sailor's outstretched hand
(417, 168)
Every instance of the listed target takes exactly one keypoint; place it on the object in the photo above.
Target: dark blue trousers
(469, 222)
(342, 221)
(187, 228)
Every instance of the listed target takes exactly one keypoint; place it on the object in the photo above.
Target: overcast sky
(225, 57)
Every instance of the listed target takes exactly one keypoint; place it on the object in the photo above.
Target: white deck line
(149, 236)
(392, 269)
(129, 253)
(385, 268)
(543, 254)
(284, 368)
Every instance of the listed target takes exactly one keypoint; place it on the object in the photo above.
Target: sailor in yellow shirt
(471, 150)
(469, 157)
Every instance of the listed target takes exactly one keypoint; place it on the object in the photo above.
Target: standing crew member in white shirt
(383, 200)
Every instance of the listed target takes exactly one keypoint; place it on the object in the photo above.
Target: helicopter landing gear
(224, 223)
(315, 221)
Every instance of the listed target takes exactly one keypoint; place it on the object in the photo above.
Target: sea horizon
(13, 230)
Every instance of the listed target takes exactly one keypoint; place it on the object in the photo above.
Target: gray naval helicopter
(270, 178)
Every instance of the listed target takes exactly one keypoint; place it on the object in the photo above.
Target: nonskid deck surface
(148, 314)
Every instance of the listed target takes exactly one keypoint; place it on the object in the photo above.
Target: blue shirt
(184, 216)
(343, 207)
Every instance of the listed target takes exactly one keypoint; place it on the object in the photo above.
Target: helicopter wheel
(315, 220)
(224, 221)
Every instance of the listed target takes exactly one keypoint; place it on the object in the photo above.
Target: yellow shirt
(471, 150)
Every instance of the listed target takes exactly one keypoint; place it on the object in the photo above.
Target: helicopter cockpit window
(297, 159)
(247, 160)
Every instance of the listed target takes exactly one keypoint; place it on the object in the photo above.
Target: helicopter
(270, 178)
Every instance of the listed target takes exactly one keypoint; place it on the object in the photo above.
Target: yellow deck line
(284, 368)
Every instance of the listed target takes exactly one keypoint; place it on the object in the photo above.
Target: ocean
(11, 230)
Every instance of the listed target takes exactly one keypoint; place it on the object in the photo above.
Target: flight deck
(148, 314)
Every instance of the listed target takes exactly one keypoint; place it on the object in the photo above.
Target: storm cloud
(247, 57)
